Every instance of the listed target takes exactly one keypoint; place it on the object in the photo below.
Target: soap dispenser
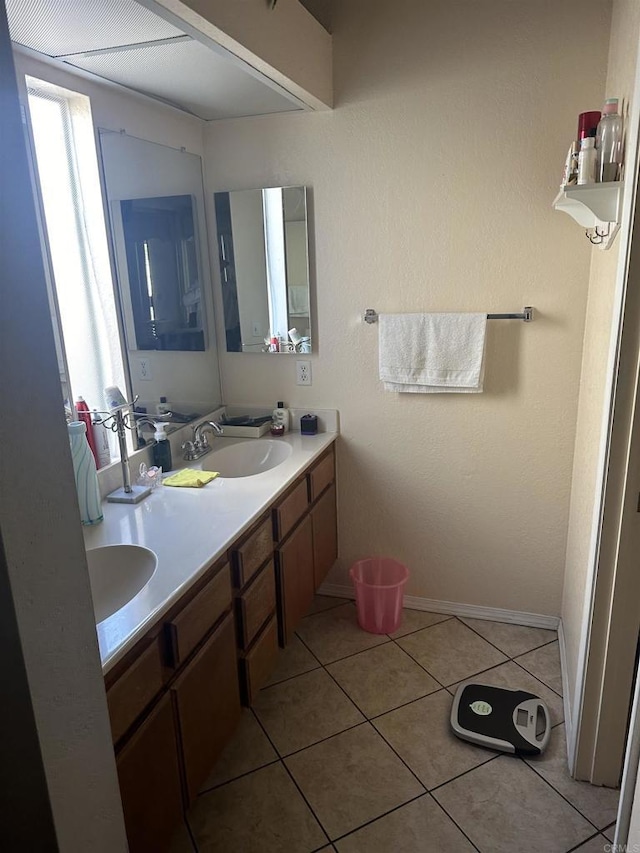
(161, 449)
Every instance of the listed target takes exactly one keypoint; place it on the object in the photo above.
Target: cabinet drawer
(323, 473)
(255, 606)
(186, 629)
(253, 552)
(206, 699)
(150, 786)
(135, 689)
(290, 510)
(259, 662)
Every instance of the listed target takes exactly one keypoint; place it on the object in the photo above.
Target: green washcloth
(190, 479)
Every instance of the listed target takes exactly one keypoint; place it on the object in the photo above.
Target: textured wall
(43, 575)
(623, 49)
(432, 183)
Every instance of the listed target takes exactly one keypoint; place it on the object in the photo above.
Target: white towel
(432, 353)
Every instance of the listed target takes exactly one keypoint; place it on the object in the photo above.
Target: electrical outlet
(144, 369)
(303, 373)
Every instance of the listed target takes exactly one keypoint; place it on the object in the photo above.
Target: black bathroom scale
(507, 720)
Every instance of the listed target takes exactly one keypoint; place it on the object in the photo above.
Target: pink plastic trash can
(379, 587)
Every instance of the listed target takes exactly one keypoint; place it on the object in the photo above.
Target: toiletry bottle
(161, 449)
(101, 437)
(85, 416)
(84, 469)
(163, 408)
(609, 142)
(587, 162)
(588, 124)
(281, 416)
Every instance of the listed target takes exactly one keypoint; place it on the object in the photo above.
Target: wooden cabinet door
(325, 535)
(150, 787)
(206, 699)
(295, 579)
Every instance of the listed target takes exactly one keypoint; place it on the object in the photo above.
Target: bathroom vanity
(238, 564)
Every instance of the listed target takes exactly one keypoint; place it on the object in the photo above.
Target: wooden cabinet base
(149, 775)
(294, 561)
(258, 663)
(206, 699)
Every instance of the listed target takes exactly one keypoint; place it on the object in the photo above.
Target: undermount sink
(117, 573)
(247, 458)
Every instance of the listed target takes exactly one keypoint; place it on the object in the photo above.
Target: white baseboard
(453, 608)
(566, 693)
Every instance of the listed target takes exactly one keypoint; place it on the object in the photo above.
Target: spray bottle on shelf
(609, 142)
(101, 439)
(84, 415)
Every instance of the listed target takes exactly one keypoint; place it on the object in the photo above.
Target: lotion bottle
(281, 416)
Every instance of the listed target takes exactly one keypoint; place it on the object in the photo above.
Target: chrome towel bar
(371, 316)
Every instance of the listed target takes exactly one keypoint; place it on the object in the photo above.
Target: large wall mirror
(155, 201)
(264, 269)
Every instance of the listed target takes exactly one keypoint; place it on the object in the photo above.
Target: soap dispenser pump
(161, 449)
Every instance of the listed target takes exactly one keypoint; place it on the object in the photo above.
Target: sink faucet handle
(189, 450)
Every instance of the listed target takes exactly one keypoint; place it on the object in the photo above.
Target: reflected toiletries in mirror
(155, 200)
(264, 269)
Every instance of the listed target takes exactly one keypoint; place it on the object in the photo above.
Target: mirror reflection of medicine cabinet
(263, 250)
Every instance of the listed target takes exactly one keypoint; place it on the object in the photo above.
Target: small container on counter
(281, 416)
(277, 429)
(309, 424)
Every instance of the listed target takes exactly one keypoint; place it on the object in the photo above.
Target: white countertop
(188, 529)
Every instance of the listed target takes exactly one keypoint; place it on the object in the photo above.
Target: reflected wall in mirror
(164, 294)
(155, 200)
(264, 269)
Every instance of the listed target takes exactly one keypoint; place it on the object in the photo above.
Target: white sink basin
(117, 573)
(247, 458)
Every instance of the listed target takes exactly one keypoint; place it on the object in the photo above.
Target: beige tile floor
(348, 749)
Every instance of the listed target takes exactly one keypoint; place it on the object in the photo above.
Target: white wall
(432, 183)
(181, 377)
(623, 50)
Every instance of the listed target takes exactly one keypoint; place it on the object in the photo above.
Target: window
(81, 293)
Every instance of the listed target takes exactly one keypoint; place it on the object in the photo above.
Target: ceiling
(126, 43)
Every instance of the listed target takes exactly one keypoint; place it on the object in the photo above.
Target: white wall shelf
(594, 206)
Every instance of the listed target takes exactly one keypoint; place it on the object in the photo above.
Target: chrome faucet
(200, 444)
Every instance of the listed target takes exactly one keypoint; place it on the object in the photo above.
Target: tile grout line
(581, 844)
(239, 776)
(453, 821)
(541, 680)
(288, 772)
(379, 817)
(559, 793)
(191, 834)
(465, 773)
(502, 651)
